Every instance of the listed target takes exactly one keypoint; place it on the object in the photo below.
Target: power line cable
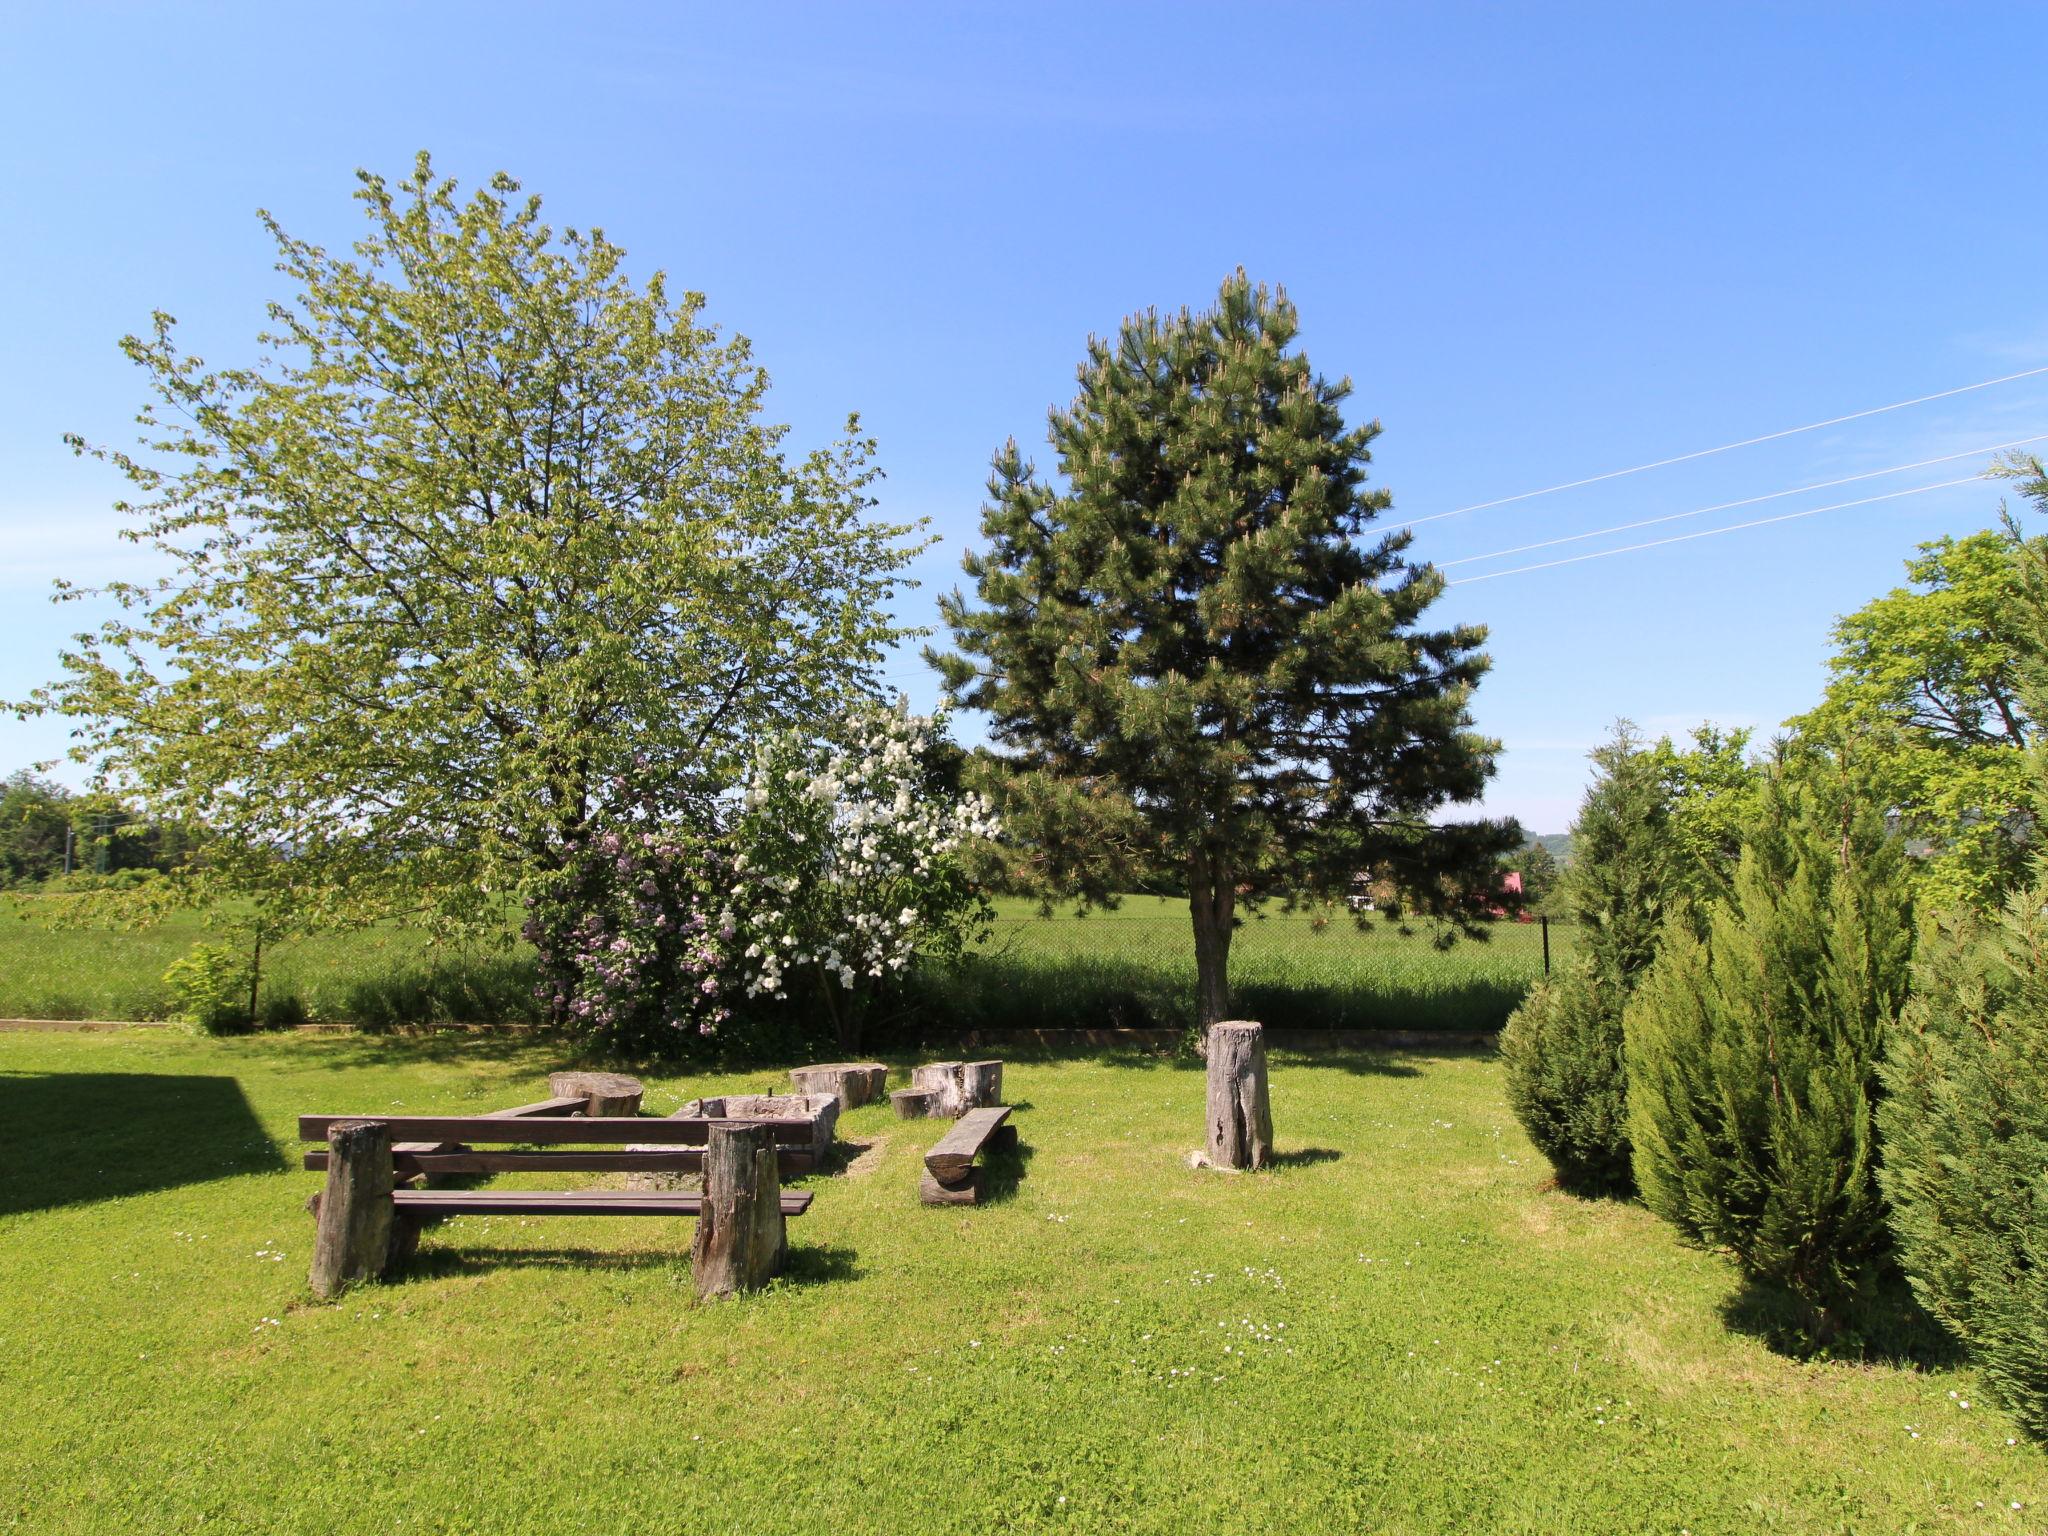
(1747, 501)
(1708, 533)
(1747, 442)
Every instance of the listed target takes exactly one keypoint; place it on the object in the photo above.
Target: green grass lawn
(1131, 966)
(1400, 1329)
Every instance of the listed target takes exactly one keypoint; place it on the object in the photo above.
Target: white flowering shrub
(851, 867)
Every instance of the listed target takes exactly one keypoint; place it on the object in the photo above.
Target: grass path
(1401, 1329)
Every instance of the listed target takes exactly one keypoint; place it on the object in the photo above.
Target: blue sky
(1544, 242)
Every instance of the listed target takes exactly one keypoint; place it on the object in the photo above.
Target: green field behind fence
(1131, 966)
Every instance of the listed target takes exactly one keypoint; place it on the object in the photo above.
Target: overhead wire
(1747, 442)
(1747, 501)
(1708, 533)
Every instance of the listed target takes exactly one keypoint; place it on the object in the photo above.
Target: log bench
(369, 1227)
(951, 1175)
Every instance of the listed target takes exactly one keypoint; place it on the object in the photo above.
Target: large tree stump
(957, 1086)
(352, 1241)
(1240, 1114)
(605, 1093)
(740, 1239)
(853, 1083)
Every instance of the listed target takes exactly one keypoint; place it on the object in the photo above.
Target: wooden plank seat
(951, 1175)
(569, 1202)
(574, 1104)
(540, 1130)
(440, 1159)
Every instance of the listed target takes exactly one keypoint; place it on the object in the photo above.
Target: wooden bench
(951, 1175)
(369, 1227)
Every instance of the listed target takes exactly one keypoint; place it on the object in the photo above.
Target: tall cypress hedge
(1753, 1046)
(1965, 1128)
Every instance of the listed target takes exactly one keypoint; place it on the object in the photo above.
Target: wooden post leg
(352, 1241)
(1240, 1113)
(740, 1240)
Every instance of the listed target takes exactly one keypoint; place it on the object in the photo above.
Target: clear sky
(1544, 242)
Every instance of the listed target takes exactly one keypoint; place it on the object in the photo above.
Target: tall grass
(1130, 967)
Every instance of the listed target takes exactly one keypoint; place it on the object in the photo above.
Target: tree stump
(957, 1086)
(740, 1239)
(853, 1083)
(821, 1109)
(352, 1241)
(1240, 1114)
(914, 1103)
(605, 1093)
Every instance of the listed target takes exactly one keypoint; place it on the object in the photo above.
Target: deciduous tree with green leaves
(1197, 650)
(1925, 684)
(487, 532)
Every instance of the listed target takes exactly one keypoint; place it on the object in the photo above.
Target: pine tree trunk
(1212, 902)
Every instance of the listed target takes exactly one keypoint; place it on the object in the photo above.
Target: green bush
(1965, 1128)
(1567, 1080)
(1753, 1050)
(209, 987)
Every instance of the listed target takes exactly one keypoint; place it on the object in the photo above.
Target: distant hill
(1559, 844)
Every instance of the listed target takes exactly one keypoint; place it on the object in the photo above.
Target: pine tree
(1194, 654)
(1752, 1049)
(1567, 1080)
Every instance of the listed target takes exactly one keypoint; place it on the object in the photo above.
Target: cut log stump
(958, 1086)
(1240, 1113)
(853, 1083)
(352, 1242)
(965, 1191)
(604, 1093)
(914, 1103)
(740, 1240)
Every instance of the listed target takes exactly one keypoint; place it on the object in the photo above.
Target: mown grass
(1131, 966)
(1402, 1328)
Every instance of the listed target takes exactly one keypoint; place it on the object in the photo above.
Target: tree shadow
(1889, 1327)
(1304, 1157)
(71, 1138)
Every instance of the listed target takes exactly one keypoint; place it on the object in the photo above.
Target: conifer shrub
(1567, 1080)
(1965, 1128)
(1753, 1045)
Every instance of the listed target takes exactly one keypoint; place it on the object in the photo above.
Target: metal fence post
(1544, 920)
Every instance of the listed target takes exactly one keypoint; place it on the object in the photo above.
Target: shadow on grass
(1304, 1157)
(818, 1264)
(1889, 1328)
(440, 1263)
(71, 1138)
(806, 1264)
(1003, 1170)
